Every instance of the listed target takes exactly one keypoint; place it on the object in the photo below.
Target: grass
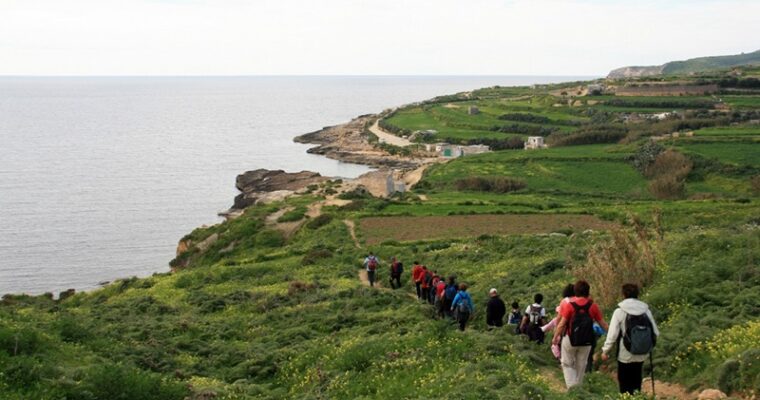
(737, 153)
(749, 130)
(579, 169)
(259, 316)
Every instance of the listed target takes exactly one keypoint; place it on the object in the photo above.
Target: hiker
(534, 319)
(417, 278)
(463, 305)
(431, 279)
(371, 263)
(576, 331)
(397, 268)
(515, 317)
(567, 293)
(425, 283)
(495, 310)
(433, 283)
(598, 332)
(440, 298)
(634, 329)
(448, 295)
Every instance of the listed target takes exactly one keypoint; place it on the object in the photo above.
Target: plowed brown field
(379, 229)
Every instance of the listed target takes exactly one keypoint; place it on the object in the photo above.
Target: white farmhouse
(535, 142)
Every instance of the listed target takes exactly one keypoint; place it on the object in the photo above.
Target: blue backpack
(450, 292)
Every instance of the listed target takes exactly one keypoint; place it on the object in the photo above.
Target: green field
(751, 130)
(738, 153)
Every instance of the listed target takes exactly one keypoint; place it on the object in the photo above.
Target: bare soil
(379, 229)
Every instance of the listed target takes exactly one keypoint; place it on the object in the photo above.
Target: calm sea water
(100, 177)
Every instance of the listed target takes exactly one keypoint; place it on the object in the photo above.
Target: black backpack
(638, 337)
(582, 328)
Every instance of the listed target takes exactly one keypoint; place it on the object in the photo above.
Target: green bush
(296, 214)
(270, 238)
(119, 382)
(319, 221)
(489, 184)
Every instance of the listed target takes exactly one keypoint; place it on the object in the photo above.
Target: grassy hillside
(258, 314)
(705, 64)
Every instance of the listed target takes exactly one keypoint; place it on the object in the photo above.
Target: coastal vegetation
(253, 311)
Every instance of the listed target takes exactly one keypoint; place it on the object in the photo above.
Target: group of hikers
(577, 326)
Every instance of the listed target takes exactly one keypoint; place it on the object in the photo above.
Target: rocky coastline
(350, 142)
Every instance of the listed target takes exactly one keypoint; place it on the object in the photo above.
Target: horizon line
(281, 75)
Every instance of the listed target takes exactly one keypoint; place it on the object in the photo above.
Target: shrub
(588, 134)
(108, 382)
(754, 183)
(626, 257)
(19, 341)
(71, 330)
(270, 238)
(668, 172)
(296, 214)
(489, 184)
(319, 221)
(667, 187)
(646, 154)
(314, 255)
(524, 117)
(511, 143)
(359, 193)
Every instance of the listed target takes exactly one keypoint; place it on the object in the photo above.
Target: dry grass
(628, 256)
(668, 173)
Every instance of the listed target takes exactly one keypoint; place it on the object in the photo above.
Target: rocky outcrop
(635, 72)
(350, 142)
(265, 180)
(268, 185)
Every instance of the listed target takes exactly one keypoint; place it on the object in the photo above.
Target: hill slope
(693, 65)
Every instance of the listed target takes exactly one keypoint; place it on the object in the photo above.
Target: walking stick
(651, 371)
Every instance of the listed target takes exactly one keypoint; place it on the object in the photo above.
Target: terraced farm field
(376, 230)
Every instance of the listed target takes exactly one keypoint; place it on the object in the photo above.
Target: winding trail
(352, 230)
(386, 137)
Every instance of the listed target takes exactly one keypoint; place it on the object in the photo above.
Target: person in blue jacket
(463, 305)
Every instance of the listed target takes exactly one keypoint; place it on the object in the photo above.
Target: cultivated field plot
(380, 229)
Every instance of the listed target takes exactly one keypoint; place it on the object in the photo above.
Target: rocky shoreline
(350, 142)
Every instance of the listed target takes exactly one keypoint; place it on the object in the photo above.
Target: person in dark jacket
(495, 310)
(397, 268)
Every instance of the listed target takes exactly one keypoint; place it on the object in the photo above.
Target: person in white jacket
(629, 365)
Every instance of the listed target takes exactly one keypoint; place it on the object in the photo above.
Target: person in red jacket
(440, 297)
(417, 276)
(574, 356)
(425, 283)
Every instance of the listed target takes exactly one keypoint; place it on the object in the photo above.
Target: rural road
(385, 137)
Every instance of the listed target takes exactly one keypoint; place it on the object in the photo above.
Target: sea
(101, 176)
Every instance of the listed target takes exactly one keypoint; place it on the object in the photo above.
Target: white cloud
(140, 37)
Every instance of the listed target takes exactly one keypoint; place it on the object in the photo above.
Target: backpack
(397, 268)
(534, 317)
(462, 306)
(450, 292)
(372, 264)
(428, 277)
(638, 337)
(582, 331)
(515, 317)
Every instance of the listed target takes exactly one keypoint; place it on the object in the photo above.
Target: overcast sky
(235, 37)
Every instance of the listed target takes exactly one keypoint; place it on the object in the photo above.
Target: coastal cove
(100, 177)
